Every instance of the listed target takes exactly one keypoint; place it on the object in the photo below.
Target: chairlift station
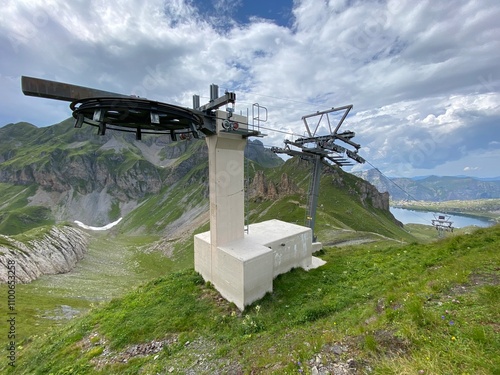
(241, 262)
(442, 224)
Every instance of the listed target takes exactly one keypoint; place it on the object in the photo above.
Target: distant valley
(433, 188)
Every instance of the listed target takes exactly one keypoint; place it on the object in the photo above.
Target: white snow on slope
(106, 227)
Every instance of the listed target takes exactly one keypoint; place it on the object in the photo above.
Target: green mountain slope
(16, 216)
(428, 309)
(346, 203)
(96, 179)
(156, 185)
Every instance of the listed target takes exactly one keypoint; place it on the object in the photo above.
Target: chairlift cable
(413, 212)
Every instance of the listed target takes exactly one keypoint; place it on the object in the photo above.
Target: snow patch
(106, 227)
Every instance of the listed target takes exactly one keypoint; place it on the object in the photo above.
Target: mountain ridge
(97, 176)
(433, 188)
(97, 179)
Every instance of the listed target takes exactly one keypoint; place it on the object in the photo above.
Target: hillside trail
(362, 238)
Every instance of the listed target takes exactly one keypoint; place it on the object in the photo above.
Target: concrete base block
(316, 246)
(243, 270)
(203, 255)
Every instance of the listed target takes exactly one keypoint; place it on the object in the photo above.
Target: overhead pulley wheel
(137, 115)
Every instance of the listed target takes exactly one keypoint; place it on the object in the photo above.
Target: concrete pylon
(242, 265)
(226, 183)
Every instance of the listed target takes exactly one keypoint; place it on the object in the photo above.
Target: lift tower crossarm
(347, 108)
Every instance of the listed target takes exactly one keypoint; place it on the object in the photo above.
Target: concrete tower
(242, 265)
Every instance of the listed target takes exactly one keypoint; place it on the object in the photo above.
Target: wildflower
(453, 338)
(452, 322)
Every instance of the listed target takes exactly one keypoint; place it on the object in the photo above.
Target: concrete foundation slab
(291, 243)
(243, 270)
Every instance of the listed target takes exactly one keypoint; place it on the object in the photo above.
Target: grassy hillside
(15, 214)
(158, 211)
(413, 309)
(339, 205)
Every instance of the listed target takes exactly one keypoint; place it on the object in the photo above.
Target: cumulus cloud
(423, 76)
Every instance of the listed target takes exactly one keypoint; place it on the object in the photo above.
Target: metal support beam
(196, 101)
(62, 91)
(214, 92)
(345, 108)
(313, 195)
(228, 97)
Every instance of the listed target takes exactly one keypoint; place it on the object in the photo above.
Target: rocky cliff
(256, 151)
(261, 188)
(367, 193)
(52, 252)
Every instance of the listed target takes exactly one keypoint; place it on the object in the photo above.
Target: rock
(260, 187)
(57, 251)
(314, 371)
(287, 186)
(351, 363)
(337, 349)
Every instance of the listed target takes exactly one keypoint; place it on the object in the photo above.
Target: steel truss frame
(322, 149)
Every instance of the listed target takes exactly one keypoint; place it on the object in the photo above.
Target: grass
(157, 212)
(24, 219)
(401, 309)
(15, 196)
(111, 267)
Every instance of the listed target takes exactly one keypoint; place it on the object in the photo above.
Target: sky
(423, 76)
